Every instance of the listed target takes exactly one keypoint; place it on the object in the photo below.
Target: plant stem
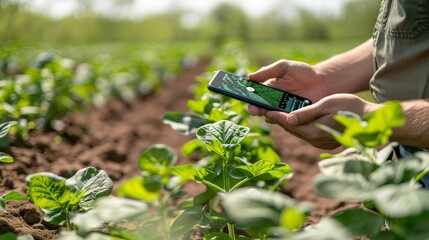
(231, 231)
(69, 223)
(161, 210)
(227, 187)
(240, 183)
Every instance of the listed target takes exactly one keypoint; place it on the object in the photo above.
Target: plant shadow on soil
(111, 138)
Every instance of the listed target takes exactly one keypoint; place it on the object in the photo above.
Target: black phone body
(255, 93)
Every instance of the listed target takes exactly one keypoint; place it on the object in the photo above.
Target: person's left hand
(302, 122)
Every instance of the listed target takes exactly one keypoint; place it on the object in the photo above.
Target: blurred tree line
(226, 21)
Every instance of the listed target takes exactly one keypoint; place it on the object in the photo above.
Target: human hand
(302, 122)
(291, 76)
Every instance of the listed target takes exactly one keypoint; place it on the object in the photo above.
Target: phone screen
(258, 93)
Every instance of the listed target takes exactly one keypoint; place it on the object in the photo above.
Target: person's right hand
(295, 77)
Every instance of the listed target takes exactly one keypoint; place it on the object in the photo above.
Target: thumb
(273, 70)
(303, 116)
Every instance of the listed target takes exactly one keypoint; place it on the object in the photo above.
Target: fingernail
(292, 119)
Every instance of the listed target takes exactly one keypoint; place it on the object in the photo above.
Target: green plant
(55, 85)
(5, 158)
(154, 187)
(4, 129)
(389, 188)
(225, 170)
(234, 149)
(13, 236)
(111, 217)
(265, 214)
(364, 172)
(60, 198)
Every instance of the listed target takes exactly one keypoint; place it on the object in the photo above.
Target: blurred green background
(285, 21)
(60, 56)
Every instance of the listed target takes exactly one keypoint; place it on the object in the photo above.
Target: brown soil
(111, 138)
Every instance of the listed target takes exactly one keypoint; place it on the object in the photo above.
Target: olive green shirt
(401, 51)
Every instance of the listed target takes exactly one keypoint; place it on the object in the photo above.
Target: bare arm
(348, 72)
(415, 133)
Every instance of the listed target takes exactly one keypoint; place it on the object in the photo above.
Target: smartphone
(257, 94)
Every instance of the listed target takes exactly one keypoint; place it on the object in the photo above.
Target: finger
(256, 111)
(270, 121)
(277, 117)
(304, 115)
(273, 70)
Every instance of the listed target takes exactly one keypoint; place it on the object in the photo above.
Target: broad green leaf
(350, 186)
(135, 188)
(258, 168)
(327, 229)
(186, 172)
(268, 153)
(226, 132)
(292, 219)
(48, 192)
(186, 220)
(410, 227)
(358, 166)
(398, 201)
(13, 236)
(157, 158)
(333, 166)
(5, 158)
(389, 235)
(372, 130)
(190, 147)
(50, 175)
(4, 127)
(204, 174)
(55, 216)
(280, 171)
(184, 123)
(217, 147)
(360, 222)
(424, 157)
(219, 114)
(109, 209)
(206, 104)
(13, 196)
(198, 106)
(92, 183)
(257, 208)
(396, 172)
(391, 111)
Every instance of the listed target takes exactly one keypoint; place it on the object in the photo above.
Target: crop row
(243, 176)
(52, 86)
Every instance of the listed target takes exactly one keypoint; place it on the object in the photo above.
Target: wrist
(327, 79)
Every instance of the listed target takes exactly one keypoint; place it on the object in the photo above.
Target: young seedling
(4, 129)
(5, 158)
(366, 172)
(155, 187)
(226, 170)
(61, 198)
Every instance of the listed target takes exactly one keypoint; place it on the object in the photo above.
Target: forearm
(348, 72)
(415, 133)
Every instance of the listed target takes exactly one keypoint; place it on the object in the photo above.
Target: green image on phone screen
(261, 93)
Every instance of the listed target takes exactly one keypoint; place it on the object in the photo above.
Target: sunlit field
(108, 129)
